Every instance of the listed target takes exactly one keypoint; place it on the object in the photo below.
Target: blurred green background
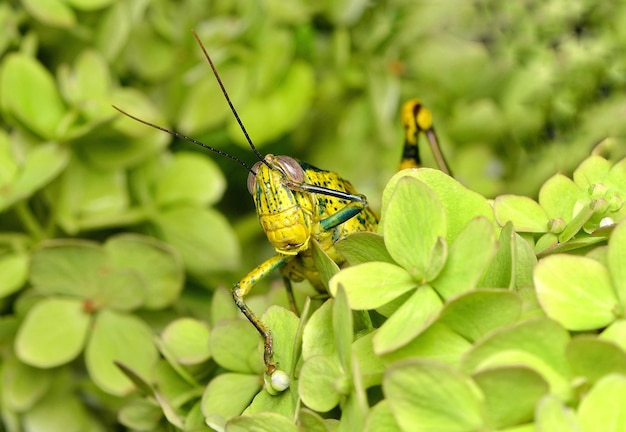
(519, 91)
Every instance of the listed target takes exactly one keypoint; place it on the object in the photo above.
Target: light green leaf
(364, 247)
(28, 90)
(203, 237)
(190, 178)
(428, 396)
(43, 163)
(595, 358)
(468, 258)
(476, 313)
(68, 267)
(188, 340)
(437, 342)
(575, 291)
(318, 337)
(525, 214)
(461, 204)
(602, 408)
(505, 384)
(412, 222)
(227, 395)
(53, 332)
(261, 422)
(159, 267)
(553, 416)
(616, 257)
(591, 171)
(281, 109)
(233, 346)
(118, 337)
(319, 384)
(23, 385)
(413, 317)
(558, 197)
(371, 285)
(140, 414)
(14, 271)
(380, 418)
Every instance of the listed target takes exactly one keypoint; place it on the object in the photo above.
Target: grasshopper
(298, 204)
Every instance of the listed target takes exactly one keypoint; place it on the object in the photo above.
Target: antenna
(225, 93)
(186, 138)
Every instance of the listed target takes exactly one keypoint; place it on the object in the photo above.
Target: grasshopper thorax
(285, 221)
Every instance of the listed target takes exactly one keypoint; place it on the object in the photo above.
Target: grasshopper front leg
(243, 287)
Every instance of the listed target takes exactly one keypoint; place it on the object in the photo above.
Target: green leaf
(284, 325)
(159, 267)
(67, 267)
(43, 163)
(343, 330)
(190, 178)
(616, 257)
(188, 340)
(499, 274)
(58, 413)
(310, 421)
(539, 343)
(51, 12)
(370, 366)
(591, 171)
(575, 291)
(233, 346)
(324, 264)
(616, 333)
(427, 396)
(437, 342)
(318, 385)
(91, 198)
(29, 92)
(476, 313)
(14, 271)
(118, 337)
(261, 422)
(602, 407)
(22, 385)
(558, 197)
(227, 395)
(553, 415)
(140, 414)
(318, 337)
(468, 258)
(53, 332)
(414, 316)
(594, 358)
(525, 214)
(412, 222)
(364, 247)
(380, 418)
(203, 237)
(505, 384)
(87, 84)
(371, 285)
(193, 118)
(282, 108)
(461, 205)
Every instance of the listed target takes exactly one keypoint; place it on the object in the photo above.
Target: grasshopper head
(286, 224)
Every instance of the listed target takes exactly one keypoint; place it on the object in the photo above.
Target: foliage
(116, 249)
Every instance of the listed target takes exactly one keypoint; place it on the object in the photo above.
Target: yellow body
(291, 218)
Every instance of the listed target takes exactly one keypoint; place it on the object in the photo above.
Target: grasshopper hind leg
(239, 292)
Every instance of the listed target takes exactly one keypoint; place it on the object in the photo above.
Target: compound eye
(291, 168)
(252, 177)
